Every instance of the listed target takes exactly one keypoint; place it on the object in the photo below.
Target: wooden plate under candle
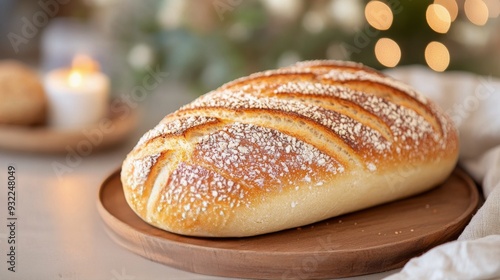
(113, 129)
(368, 241)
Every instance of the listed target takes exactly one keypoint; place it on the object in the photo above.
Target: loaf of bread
(22, 97)
(288, 147)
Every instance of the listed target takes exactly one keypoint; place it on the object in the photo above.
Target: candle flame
(74, 79)
(81, 65)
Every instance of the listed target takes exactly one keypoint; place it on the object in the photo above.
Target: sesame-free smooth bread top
(286, 148)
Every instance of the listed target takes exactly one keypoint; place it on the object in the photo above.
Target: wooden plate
(368, 241)
(45, 139)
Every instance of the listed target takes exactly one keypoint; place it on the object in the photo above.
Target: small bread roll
(22, 97)
(286, 148)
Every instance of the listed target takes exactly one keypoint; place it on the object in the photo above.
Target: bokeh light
(493, 8)
(437, 56)
(476, 11)
(347, 14)
(438, 18)
(388, 52)
(451, 6)
(313, 22)
(378, 15)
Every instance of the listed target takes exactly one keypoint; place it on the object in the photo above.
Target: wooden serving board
(45, 139)
(368, 241)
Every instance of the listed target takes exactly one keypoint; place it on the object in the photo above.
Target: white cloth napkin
(473, 102)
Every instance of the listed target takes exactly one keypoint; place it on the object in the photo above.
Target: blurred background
(206, 43)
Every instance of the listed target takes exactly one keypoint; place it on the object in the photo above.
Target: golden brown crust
(288, 147)
(22, 98)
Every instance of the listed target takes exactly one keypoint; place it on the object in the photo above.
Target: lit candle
(78, 96)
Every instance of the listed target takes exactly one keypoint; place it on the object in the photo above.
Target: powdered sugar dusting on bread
(142, 168)
(176, 126)
(402, 121)
(264, 158)
(284, 73)
(342, 63)
(350, 131)
(344, 76)
(199, 190)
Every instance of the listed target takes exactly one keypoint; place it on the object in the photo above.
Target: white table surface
(59, 232)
